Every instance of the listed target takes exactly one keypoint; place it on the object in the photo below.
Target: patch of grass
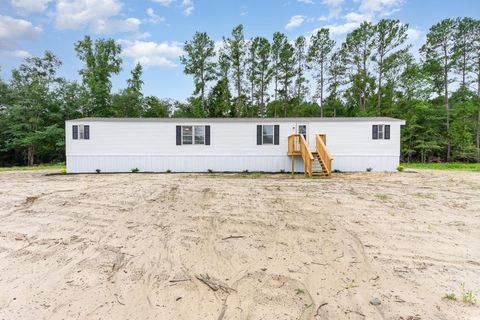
(467, 295)
(56, 166)
(135, 170)
(425, 195)
(450, 296)
(474, 167)
(299, 291)
(382, 197)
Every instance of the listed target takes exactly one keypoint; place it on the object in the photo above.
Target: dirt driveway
(184, 246)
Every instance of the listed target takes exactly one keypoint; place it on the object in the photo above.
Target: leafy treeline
(371, 73)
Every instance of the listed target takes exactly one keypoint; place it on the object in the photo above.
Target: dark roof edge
(293, 119)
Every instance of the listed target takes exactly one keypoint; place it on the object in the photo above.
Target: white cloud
(357, 17)
(378, 6)
(154, 18)
(295, 22)
(306, 1)
(13, 30)
(151, 53)
(114, 25)
(95, 15)
(368, 10)
(15, 53)
(414, 34)
(76, 14)
(334, 8)
(188, 7)
(339, 29)
(30, 5)
(164, 3)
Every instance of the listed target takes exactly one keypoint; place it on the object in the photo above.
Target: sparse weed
(98, 170)
(400, 168)
(450, 296)
(382, 197)
(424, 195)
(210, 171)
(169, 171)
(467, 295)
(135, 170)
(299, 291)
(63, 171)
(369, 169)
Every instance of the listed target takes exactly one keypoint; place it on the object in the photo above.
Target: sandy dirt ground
(184, 246)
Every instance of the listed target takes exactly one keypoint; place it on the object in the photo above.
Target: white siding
(119, 146)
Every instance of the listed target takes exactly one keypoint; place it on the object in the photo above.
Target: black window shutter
(207, 135)
(276, 134)
(387, 132)
(374, 132)
(86, 132)
(259, 134)
(75, 132)
(179, 135)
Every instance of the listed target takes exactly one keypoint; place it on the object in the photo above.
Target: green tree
(439, 51)
(301, 88)
(235, 49)
(318, 59)
(260, 73)
(129, 102)
(199, 62)
(156, 108)
(219, 105)
(101, 60)
(389, 36)
(286, 74)
(34, 120)
(279, 41)
(357, 53)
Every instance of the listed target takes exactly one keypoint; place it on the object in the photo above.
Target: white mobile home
(232, 145)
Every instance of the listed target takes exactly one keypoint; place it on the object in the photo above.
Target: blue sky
(153, 31)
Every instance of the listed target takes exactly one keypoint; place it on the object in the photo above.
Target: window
(267, 135)
(302, 129)
(381, 132)
(193, 135)
(187, 135)
(81, 132)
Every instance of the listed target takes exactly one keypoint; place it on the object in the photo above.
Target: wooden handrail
(297, 145)
(323, 152)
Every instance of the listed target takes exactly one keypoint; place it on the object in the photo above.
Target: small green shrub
(245, 171)
(135, 170)
(210, 171)
(369, 169)
(450, 296)
(337, 171)
(98, 170)
(282, 171)
(63, 171)
(467, 295)
(400, 168)
(169, 171)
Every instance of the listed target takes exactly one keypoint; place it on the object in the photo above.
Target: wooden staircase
(318, 162)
